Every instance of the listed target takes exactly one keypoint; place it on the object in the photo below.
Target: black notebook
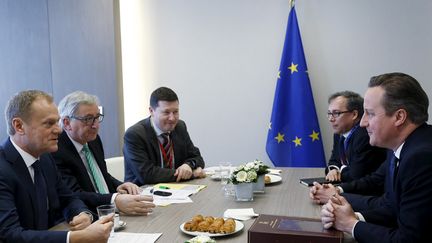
(320, 180)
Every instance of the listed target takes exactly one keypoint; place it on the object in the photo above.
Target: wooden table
(288, 197)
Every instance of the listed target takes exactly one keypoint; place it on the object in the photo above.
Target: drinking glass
(107, 210)
(225, 173)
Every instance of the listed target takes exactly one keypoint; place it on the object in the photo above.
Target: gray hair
(19, 106)
(71, 102)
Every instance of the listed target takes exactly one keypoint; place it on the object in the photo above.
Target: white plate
(215, 177)
(239, 226)
(122, 225)
(274, 178)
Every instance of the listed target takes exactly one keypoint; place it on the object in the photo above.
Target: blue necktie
(41, 196)
(342, 154)
(393, 165)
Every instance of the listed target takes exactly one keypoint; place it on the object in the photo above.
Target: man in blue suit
(396, 111)
(33, 197)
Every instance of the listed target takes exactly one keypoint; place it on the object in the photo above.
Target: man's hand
(320, 194)
(97, 232)
(343, 213)
(333, 175)
(327, 215)
(134, 204)
(199, 173)
(81, 221)
(129, 188)
(184, 172)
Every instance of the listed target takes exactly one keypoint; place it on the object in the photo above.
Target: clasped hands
(185, 172)
(338, 213)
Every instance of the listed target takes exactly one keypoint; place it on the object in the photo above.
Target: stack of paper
(179, 193)
(134, 237)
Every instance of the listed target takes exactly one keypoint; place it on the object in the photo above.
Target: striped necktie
(91, 162)
(167, 155)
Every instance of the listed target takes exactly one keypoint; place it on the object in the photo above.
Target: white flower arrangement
(260, 167)
(245, 173)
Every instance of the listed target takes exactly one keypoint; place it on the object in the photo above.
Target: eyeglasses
(89, 120)
(335, 114)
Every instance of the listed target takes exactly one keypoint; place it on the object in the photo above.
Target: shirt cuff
(352, 232)
(342, 167)
(113, 197)
(67, 237)
(360, 217)
(340, 189)
(331, 167)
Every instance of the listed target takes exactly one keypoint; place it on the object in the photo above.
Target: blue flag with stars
(294, 138)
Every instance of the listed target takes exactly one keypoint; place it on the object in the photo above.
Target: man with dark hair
(396, 111)
(158, 148)
(352, 156)
(81, 161)
(33, 196)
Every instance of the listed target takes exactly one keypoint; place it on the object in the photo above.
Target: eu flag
(294, 138)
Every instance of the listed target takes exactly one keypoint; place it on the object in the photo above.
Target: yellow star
(293, 68)
(280, 138)
(297, 141)
(278, 74)
(314, 135)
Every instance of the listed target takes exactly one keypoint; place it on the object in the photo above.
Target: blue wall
(60, 47)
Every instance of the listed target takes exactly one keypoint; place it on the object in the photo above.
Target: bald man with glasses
(352, 156)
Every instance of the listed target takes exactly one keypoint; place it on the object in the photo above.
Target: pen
(164, 187)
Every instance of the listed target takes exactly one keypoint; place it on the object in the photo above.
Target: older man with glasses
(80, 158)
(352, 156)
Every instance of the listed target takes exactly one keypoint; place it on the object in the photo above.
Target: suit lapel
(154, 142)
(21, 171)
(69, 146)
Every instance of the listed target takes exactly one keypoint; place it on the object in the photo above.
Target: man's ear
(18, 125)
(356, 115)
(401, 116)
(151, 110)
(66, 123)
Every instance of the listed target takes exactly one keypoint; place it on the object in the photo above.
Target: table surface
(288, 198)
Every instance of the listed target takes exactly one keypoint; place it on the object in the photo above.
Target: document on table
(178, 196)
(122, 237)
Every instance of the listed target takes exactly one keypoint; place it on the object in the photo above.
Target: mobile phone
(162, 193)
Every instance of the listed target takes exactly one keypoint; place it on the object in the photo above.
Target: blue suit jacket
(75, 173)
(363, 158)
(142, 154)
(406, 213)
(17, 196)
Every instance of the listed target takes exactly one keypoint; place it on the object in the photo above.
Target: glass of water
(107, 210)
(225, 173)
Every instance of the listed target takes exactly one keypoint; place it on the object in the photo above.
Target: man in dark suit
(80, 159)
(396, 109)
(352, 156)
(158, 148)
(33, 197)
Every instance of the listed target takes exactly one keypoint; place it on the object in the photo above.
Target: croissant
(198, 218)
(215, 226)
(203, 226)
(191, 226)
(209, 219)
(228, 227)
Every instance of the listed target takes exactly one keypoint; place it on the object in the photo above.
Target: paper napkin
(240, 213)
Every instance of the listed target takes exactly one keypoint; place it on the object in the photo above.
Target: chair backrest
(115, 167)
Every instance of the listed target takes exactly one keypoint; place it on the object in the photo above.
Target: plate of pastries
(211, 226)
(270, 179)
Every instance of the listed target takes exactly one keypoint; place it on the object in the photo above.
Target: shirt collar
(398, 151)
(155, 128)
(77, 145)
(28, 158)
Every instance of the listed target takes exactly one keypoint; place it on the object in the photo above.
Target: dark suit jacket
(363, 158)
(76, 176)
(142, 154)
(17, 208)
(406, 215)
